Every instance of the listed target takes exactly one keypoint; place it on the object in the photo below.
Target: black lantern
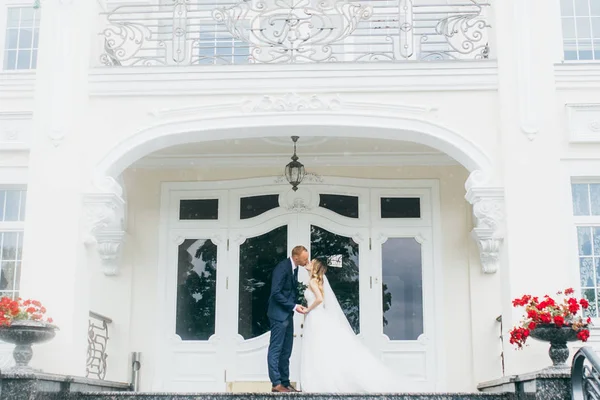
(294, 171)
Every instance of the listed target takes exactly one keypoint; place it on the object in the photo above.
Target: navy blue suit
(281, 316)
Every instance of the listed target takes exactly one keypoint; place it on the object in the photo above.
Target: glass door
(196, 329)
(403, 312)
(254, 252)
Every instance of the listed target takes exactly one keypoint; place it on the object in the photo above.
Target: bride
(333, 359)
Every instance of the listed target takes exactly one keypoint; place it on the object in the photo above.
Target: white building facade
(452, 151)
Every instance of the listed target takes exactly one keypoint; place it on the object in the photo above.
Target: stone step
(291, 396)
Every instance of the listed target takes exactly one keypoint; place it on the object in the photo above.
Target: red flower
(50, 320)
(583, 335)
(533, 314)
(573, 306)
(545, 318)
(532, 326)
(559, 320)
(588, 321)
(569, 291)
(584, 303)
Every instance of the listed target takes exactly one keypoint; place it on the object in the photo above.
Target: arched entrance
(353, 120)
(243, 342)
(222, 243)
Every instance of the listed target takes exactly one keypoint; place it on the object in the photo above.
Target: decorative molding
(260, 79)
(576, 75)
(280, 159)
(527, 102)
(293, 102)
(105, 213)
(583, 122)
(488, 213)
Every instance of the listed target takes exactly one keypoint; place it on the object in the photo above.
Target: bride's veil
(332, 306)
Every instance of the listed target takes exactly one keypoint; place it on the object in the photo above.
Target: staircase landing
(291, 396)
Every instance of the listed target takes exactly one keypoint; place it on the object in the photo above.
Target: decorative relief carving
(56, 136)
(15, 127)
(293, 102)
(308, 178)
(583, 122)
(105, 212)
(488, 213)
(298, 205)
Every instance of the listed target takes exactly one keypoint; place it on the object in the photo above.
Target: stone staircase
(543, 385)
(269, 396)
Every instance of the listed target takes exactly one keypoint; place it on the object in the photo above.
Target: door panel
(404, 315)
(254, 252)
(192, 347)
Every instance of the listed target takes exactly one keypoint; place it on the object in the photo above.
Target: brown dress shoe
(292, 389)
(280, 389)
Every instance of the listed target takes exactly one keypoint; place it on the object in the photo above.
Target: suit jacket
(284, 287)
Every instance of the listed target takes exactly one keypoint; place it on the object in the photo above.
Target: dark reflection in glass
(344, 279)
(339, 204)
(400, 207)
(258, 256)
(251, 207)
(196, 289)
(199, 209)
(402, 286)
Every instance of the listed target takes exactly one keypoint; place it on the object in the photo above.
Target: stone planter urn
(558, 338)
(24, 334)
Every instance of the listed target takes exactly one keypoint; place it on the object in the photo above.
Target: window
(346, 206)
(22, 34)
(12, 217)
(400, 207)
(581, 29)
(254, 206)
(217, 46)
(199, 209)
(586, 210)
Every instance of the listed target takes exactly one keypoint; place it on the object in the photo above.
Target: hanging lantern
(294, 171)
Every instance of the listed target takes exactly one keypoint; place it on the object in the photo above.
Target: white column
(53, 257)
(530, 135)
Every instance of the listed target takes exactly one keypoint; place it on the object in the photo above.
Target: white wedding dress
(333, 359)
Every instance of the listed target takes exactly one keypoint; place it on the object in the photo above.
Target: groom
(282, 304)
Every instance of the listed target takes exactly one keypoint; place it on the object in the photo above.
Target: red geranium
(12, 310)
(550, 312)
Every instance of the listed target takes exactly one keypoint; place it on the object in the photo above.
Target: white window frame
(14, 226)
(576, 39)
(3, 21)
(577, 171)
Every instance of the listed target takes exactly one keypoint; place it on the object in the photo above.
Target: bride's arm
(314, 286)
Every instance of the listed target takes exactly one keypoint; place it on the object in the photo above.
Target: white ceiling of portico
(314, 150)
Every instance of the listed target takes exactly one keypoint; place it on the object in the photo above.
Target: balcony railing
(191, 32)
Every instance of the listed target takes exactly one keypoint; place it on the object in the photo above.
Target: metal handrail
(585, 377)
(97, 344)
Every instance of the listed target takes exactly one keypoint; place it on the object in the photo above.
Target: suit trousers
(280, 350)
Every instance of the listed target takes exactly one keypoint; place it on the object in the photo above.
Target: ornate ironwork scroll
(97, 342)
(188, 32)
